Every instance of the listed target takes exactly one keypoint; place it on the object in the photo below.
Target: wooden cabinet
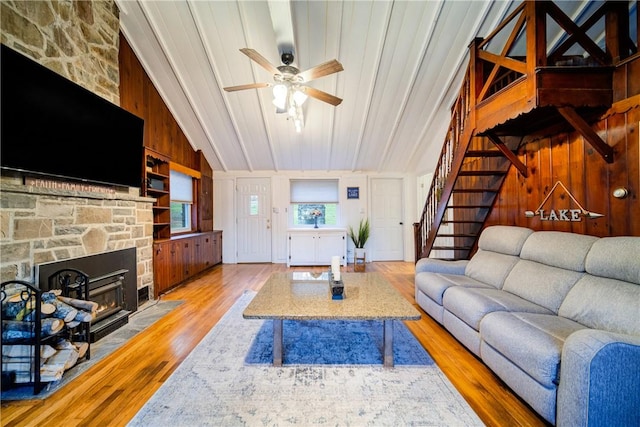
(182, 257)
(316, 247)
(156, 185)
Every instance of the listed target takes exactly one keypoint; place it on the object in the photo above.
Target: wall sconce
(620, 193)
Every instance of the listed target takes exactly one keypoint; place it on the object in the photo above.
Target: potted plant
(359, 239)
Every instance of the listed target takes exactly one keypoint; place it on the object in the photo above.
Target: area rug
(337, 342)
(138, 321)
(215, 386)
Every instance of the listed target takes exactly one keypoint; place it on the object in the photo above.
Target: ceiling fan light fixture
(299, 97)
(280, 92)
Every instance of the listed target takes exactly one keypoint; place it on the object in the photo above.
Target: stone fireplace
(41, 224)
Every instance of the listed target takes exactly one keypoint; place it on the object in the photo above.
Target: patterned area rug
(337, 342)
(219, 384)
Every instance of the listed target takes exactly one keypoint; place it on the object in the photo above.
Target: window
(181, 192)
(314, 199)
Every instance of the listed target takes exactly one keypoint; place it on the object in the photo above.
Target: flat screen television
(53, 127)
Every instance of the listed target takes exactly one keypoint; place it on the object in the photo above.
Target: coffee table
(307, 296)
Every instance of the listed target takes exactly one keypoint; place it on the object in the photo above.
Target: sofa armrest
(599, 381)
(434, 265)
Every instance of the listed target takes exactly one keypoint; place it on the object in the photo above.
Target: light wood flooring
(111, 392)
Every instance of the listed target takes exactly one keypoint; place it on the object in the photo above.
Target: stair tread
(484, 153)
(469, 207)
(474, 190)
(482, 173)
(444, 221)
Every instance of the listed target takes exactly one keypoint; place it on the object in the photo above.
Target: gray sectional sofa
(555, 315)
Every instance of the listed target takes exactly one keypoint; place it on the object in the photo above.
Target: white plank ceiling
(403, 63)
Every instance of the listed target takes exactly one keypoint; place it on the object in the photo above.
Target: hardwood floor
(112, 391)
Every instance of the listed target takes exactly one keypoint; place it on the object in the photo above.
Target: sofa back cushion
(489, 267)
(558, 249)
(615, 258)
(603, 303)
(542, 284)
(504, 239)
(498, 250)
(551, 263)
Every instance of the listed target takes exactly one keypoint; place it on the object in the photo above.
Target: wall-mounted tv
(53, 127)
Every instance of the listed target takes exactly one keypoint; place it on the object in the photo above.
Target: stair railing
(441, 186)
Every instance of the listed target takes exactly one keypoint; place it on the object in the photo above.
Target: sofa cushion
(504, 239)
(558, 249)
(601, 303)
(435, 265)
(491, 268)
(541, 284)
(615, 258)
(471, 304)
(531, 341)
(434, 284)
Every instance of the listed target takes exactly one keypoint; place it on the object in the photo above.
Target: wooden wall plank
(591, 180)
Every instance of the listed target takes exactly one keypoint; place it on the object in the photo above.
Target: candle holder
(337, 287)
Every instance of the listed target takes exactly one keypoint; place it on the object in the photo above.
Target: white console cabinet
(316, 246)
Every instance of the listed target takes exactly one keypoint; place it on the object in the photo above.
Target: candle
(335, 267)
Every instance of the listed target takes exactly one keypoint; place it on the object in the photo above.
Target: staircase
(466, 183)
(504, 99)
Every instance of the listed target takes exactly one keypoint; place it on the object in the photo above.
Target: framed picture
(353, 192)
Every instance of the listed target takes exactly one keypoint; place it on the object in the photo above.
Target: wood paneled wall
(139, 96)
(162, 133)
(568, 158)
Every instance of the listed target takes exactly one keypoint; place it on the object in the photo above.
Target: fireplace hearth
(112, 284)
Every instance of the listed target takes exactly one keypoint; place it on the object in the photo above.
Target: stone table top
(307, 296)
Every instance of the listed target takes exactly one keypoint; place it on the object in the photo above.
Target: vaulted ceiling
(403, 63)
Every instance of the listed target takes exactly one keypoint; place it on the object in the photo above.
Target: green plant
(362, 236)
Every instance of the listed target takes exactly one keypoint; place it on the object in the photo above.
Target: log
(66, 357)
(48, 296)
(81, 304)
(13, 330)
(63, 311)
(17, 308)
(22, 378)
(45, 308)
(21, 350)
(84, 316)
(82, 348)
(50, 326)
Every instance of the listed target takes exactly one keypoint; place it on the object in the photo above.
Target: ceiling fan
(291, 77)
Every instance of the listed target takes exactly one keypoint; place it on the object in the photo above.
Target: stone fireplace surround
(43, 221)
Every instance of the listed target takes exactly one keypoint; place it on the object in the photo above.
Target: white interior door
(253, 213)
(387, 234)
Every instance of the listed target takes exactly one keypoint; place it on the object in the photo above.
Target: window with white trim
(314, 200)
(181, 193)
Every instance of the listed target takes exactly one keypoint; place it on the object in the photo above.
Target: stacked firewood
(57, 354)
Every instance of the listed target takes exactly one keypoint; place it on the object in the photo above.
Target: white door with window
(253, 219)
(387, 230)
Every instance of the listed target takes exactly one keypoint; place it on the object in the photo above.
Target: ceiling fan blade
(248, 86)
(321, 70)
(261, 60)
(323, 96)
